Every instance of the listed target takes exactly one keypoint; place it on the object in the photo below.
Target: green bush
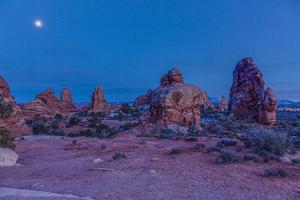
(118, 156)
(267, 140)
(6, 108)
(229, 157)
(6, 140)
(275, 172)
(38, 127)
(73, 121)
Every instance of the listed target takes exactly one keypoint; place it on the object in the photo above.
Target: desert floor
(52, 167)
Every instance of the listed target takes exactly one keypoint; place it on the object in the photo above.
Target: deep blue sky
(126, 45)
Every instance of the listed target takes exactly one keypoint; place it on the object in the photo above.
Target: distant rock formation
(67, 100)
(98, 101)
(11, 116)
(223, 106)
(45, 104)
(175, 102)
(250, 97)
(143, 99)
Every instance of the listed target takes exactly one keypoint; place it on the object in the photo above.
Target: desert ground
(152, 169)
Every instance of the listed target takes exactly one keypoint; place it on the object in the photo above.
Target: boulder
(11, 116)
(175, 102)
(67, 100)
(250, 97)
(98, 101)
(8, 157)
(45, 104)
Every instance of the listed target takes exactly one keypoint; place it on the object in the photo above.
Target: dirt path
(55, 165)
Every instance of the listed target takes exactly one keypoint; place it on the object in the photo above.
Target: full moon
(38, 23)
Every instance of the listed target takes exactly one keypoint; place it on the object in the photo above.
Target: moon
(38, 23)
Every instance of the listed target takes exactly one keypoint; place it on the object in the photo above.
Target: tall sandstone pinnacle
(98, 102)
(250, 97)
(67, 100)
(175, 102)
(11, 116)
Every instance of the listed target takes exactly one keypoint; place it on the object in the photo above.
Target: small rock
(97, 160)
(8, 157)
(285, 159)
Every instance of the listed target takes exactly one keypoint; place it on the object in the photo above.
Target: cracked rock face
(143, 99)
(98, 101)
(45, 104)
(11, 116)
(175, 102)
(67, 100)
(250, 97)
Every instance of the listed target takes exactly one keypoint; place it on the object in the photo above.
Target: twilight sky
(126, 45)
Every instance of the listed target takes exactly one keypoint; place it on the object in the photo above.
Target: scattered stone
(250, 97)
(8, 157)
(285, 159)
(97, 160)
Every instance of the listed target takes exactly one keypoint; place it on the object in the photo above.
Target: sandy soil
(54, 164)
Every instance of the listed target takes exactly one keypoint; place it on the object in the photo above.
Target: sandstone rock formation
(11, 116)
(250, 97)
(45, 104)
(175, 102)
(223, 106)
(67, 100)
(98, 101)
(143, 99)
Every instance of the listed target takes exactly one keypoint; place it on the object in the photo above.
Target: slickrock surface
(98, 101)
(250, 97)
(14, 120)
(175, 102)
(45, 104)
(67, 100)
(56, 165)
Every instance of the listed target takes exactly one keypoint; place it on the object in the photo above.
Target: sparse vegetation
(6, 108)
(175, 151)
(227, 157)
(267, 140)
(58, 117)
(73, 121)
(118, 156)
(275, 172)
(39, 127)
(6, 140)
